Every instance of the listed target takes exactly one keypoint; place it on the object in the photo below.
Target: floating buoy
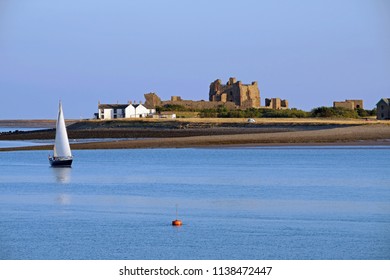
(177, 223)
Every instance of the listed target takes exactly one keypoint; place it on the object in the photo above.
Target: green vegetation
(223, 112)
(187, 114)
(338, 112)
(172, 108)
(288, 113)
(330, 112)
(366, 113)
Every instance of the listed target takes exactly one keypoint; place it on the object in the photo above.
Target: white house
(111, 111)
(118, 111)
(136, 111)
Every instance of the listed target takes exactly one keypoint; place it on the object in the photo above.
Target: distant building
(176, 98)
(276, 103)
(383, 109)
(232, 95)
(165, 115)
(136, 111)
(118, 111)
(153, 101)
(111, 111)
(349, 104)
(242, 95)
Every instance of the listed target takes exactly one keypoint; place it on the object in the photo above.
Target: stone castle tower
(243, 95)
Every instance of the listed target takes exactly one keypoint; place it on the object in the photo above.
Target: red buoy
(177, 223)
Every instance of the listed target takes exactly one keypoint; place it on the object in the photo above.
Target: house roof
(117, 106)
(113, 106)
(386, 100)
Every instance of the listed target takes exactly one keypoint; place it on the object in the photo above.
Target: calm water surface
(11, 129)
(244, 203)
(10, 144)
(24, 143)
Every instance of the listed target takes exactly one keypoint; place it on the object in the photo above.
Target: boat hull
(60, 162)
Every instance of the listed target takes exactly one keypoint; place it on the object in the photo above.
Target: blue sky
(309, 52)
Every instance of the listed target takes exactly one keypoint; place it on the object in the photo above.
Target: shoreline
(357, 135)
(50, 123)
(371, 144)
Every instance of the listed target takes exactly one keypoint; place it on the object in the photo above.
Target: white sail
(61, 146)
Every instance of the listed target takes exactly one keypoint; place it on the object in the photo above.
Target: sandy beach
(214, 133)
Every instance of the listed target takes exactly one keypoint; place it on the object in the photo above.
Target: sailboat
(62, 155)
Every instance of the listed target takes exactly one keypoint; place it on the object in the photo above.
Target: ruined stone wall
(176, 98)
(349, 104)
(343, 104)
(243, 95)
(357, 103)
(249, 95)
(199, 105)
(152, 100)
(233, 95)
(276, 103)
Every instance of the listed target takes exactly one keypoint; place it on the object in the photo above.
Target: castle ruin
(152, 100)
(242, 95)
(233, 95)
(349, 104)
(276, 103)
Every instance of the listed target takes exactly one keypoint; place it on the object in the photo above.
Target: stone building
(176, 98)
(153, 101)
(276, 103)
(383, 109)
(349, 104)
(233, 95)
(242, 95)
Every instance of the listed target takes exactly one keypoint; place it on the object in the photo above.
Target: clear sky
(84, 51)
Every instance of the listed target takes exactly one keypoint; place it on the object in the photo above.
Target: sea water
(20, 143)
(235, 203)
